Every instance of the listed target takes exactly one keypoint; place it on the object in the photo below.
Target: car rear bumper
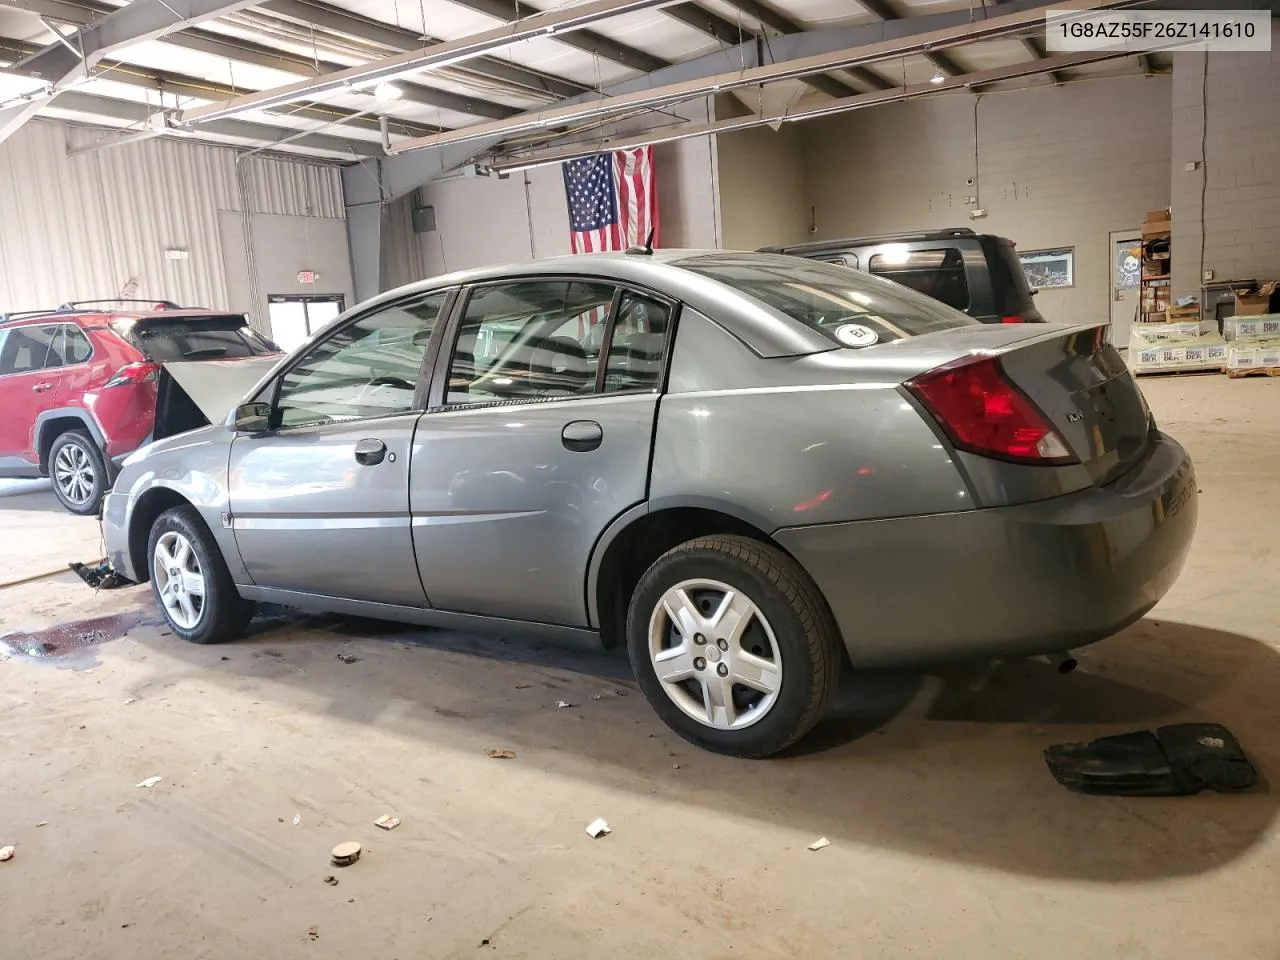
(1010, 581)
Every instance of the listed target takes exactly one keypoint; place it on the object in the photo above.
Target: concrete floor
(948, 836)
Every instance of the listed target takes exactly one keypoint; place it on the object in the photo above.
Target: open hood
(196, 393)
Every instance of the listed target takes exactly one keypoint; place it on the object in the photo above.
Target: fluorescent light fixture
(387, 91)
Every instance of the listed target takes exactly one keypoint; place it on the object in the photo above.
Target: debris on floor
(348, 658)
(297, 819)
(331, 880)
(1176, 760)
(496, 753)
(345, 854)
(313, 933)
(43, 823)
(598, 828)
(562, 704)
(100, 576)
(523, 686)
(387, 822)
(130, 700)
(6, 853)
(149, 782)
(819, 844)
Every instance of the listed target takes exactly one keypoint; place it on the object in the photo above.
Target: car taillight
(982, 412)
(1012, 319)
(133, 373)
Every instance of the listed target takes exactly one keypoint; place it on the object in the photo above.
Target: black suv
(975, 272)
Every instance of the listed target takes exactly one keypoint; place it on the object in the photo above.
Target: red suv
(78, 385)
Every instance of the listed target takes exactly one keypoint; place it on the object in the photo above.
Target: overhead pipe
(516, 163)
(993, 28)
(437, 55)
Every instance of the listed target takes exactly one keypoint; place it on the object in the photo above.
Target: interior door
(29, 378)
(537, 445)
(321, 500)
(1126, 274)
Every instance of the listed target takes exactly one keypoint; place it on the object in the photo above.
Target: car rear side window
(75, 345)
(636, 345)
(27, 349)
(529, 340)
(937, 273)
(215, 337)
(831, 299)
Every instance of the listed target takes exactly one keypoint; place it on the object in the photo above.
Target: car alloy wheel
(715, 654)
(179, 580)
(73, 473)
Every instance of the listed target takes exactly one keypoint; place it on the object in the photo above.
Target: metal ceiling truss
(944, 64)
(928, 41)
(525, 160)
(560, 23)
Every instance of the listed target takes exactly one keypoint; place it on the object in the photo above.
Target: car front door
(320, 502)
(29, 376)
(534, 445)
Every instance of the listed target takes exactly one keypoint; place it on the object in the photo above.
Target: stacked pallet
(1253, 344)
(1180, 346)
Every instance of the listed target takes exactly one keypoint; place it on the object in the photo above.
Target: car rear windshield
(831, 298)
(226, 337)
(937, 273)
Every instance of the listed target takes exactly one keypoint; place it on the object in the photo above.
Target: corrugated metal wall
(83, 227)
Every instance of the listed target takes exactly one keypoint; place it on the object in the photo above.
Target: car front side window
(370, 368)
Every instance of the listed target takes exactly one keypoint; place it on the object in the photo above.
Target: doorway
(294, 318)
(1126, 276)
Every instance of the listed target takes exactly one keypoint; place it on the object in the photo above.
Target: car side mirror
(252, 418)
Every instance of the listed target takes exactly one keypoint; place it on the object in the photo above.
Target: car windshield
(850, 307)
(224, 337)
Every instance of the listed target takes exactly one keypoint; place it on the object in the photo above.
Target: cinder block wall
(1239, 174)
(1054, 167)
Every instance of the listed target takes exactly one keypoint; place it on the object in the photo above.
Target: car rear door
(320, 502)
(533, 446)
(29, 377)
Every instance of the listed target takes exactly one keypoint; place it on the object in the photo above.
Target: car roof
(767, 332)
(817, 246)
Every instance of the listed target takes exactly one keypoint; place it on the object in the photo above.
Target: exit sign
(308, 276)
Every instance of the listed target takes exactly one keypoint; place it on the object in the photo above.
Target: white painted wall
(762, 187)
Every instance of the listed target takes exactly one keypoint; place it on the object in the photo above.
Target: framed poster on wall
(1049, 268)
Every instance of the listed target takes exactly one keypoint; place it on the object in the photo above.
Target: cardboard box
(1251, 303)
(1157, 229)
(1205, 352)
(1155, 216)
(1176, 314)
(1251, 326)
(1253, 354)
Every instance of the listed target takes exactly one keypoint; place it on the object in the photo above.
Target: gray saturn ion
(747, 467)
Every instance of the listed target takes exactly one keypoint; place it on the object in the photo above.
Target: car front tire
(78, 472)
(733, 646)
(190, 580)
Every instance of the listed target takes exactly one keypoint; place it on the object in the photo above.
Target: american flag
(613, 200)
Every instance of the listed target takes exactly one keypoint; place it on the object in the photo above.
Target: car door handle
(581, 436)
(370, 451)
(42, 386)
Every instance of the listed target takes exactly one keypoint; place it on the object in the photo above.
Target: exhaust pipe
(1063, 661)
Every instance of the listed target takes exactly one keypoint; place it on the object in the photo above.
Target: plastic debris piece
(819, 844)
(345, 854)
(497, 753)
(387, 822)
(597, 828)
(523, 686)
(597, 696)
(331, 880)
(1176, 760)
(6, 853)
(563, 704)
(100, 576)
(43, 823)
(150, 782)
(348, 658)
(297, 819)
(131, 700)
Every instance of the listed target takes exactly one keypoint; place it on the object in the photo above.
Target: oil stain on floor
(71, 645)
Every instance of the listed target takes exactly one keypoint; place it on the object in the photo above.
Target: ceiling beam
(397, 38)
(587, 41)
(198, 88)
(883, 10)
(140, 113)
(653, 95)
(80, 12)
(770, 18)
(136, 22)
(562, 21)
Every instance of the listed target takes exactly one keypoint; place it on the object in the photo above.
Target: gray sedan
(750, 469)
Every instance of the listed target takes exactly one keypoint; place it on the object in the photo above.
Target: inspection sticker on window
(1152, 31)
(856, 335)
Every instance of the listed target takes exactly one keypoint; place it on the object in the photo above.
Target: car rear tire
(78, 471)
(733, 645)
(190, 580)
